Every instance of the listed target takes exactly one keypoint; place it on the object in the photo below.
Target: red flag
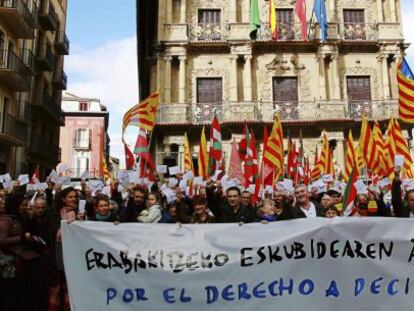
(235, 167)
(300, 10)
(142, 149)
(36, 176)
(350, 193)
(266, 171)
(291, 161)
(307, 171)
(129, 158)
(243, 143)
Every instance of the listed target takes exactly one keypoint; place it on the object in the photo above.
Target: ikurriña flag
(143, 114)
(405, 79)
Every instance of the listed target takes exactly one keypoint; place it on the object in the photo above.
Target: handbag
(7, 266)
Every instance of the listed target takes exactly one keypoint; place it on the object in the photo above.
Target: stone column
(233, 11)
(385, 77)
(393, 13)
(169, 11)
(167, 149)
(332, 10)
(233, 78)
(380, 14)
(246, 16)
(180, 157)
(336, 83)
(183, 11)
(159, 77)
(248, 78)
(167, 81)
(322, 83)
(380, 59)
(181, 82)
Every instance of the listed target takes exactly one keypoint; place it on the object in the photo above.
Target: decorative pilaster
(336, 92)
(169, 11)
(248, 78)
(385, 77)
(167, 82)
(393, 13)
(380, 13)
(181, 82)
(183, 11)
(233, 11)
(322, 81)
(233, 78)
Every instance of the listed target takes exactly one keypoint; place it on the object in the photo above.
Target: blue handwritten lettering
(306, 287)
(110, 294)
(359, 286)
(390, 289)
(259, 293)
(332, 290)
(212, 294)
(375, 287)
(167, 297)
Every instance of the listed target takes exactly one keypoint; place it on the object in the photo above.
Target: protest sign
(317, 264)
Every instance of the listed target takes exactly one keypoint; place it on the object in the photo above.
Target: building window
(81, 163)
(82, 139)
(285, 97)
(209, 98)
(209, 25)
(359, 96)
(285, 25)
(354, 24)
(83, 106)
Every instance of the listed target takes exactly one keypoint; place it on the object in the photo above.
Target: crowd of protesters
(31, 262)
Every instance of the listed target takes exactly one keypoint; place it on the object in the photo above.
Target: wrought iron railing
(11, 62)
(359, 31)
(29, 15)
(12, 126)
(208, 32)
(48, 9)
(61, 38)
(228, 111)
(284, 32)
(44, 147)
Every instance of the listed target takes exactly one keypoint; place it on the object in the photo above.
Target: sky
(103, 60)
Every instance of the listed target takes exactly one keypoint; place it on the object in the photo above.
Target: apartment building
(32, 47)
(198, 53)
(84, 139)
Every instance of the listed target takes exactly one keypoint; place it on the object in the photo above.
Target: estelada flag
(406, 92)
(143, 114)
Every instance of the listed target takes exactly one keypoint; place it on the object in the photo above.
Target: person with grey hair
(303, 206)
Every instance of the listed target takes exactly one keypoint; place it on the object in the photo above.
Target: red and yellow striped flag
(203, 156)
(350, 156)
(366, 143)
(326, 160)
(143, 114)
(188, 159)
(401, 148)
(273, 19)
(405, 79)
(316, 170)
(379, 166)
(389, 151)
(105, 172)
(359, 159)
(274, 153)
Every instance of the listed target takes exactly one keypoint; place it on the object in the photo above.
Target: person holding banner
(103, 211)
(304, 207)
(228, 209)
(403, 209)
(201, 214)
(134, 206)
(152, 213)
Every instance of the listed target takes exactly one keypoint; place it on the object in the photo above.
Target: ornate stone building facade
(198, 54)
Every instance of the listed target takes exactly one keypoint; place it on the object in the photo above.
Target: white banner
(321, 264)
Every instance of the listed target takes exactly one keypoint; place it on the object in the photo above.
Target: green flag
(254, 19)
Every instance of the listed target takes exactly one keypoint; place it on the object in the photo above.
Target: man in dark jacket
(400, 208)
(304, 207)
(228, 209)
(135, 205)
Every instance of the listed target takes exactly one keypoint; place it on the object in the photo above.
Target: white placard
(399, 160)
(172, 182)
(82, 205)
(84, 175)
(174, 170)
(361, 187)
(198, 181)
(162, 169)
(23, 179)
